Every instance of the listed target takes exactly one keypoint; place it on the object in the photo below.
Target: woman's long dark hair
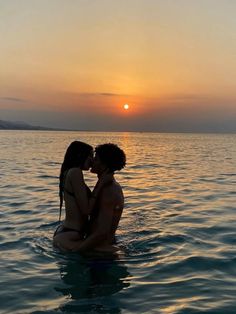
(75, 156)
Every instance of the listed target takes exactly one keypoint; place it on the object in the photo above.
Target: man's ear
(104, 168)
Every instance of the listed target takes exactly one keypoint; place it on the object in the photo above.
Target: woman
(79, 200)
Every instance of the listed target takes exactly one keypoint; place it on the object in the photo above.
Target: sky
(74, 64)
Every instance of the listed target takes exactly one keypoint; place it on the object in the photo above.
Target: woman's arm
(76, 180)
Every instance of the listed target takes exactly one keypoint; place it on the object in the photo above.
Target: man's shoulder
(112, 191)
(112, 187)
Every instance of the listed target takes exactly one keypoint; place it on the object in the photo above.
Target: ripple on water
(177, 233)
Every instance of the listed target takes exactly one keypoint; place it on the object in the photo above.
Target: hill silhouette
(10, 125)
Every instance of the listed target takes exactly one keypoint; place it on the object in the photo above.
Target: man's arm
(104, 224)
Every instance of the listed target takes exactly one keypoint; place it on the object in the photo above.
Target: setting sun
(126, 106)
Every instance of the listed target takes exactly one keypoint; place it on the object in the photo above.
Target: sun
(126, 106)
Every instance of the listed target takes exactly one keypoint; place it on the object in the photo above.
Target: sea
(177, 234)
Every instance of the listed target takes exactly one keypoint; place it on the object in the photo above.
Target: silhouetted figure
(78, 198)
(109, 203)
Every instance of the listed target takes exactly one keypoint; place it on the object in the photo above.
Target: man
(108, 208)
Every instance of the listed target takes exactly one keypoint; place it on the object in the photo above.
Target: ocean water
(177, 233)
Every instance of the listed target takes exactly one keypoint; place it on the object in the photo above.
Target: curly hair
(112, 156)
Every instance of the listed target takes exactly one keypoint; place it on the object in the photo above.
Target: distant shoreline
(10, 125)
(22, 126)
(106, 131)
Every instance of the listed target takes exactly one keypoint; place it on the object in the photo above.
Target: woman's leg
(63, 240)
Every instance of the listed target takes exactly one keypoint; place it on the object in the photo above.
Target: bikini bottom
(61, 229)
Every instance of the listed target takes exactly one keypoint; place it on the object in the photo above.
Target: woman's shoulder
(76, 171)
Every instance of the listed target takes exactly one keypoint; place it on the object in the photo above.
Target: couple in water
(91, 218)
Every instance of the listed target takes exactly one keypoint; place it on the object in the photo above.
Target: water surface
(177, 232)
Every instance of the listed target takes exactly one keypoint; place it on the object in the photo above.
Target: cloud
(104, 94)
(187, 97)
(110, 94)
(13, 99)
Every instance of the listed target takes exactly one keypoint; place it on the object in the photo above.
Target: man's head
(108, 157)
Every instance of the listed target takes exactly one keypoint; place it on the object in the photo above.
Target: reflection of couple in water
(91, 218)
(91, 280)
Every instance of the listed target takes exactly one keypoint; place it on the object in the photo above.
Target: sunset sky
(75, 63)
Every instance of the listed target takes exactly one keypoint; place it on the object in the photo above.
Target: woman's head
(78, 154)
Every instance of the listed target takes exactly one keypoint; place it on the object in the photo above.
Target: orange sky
(85, 59)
